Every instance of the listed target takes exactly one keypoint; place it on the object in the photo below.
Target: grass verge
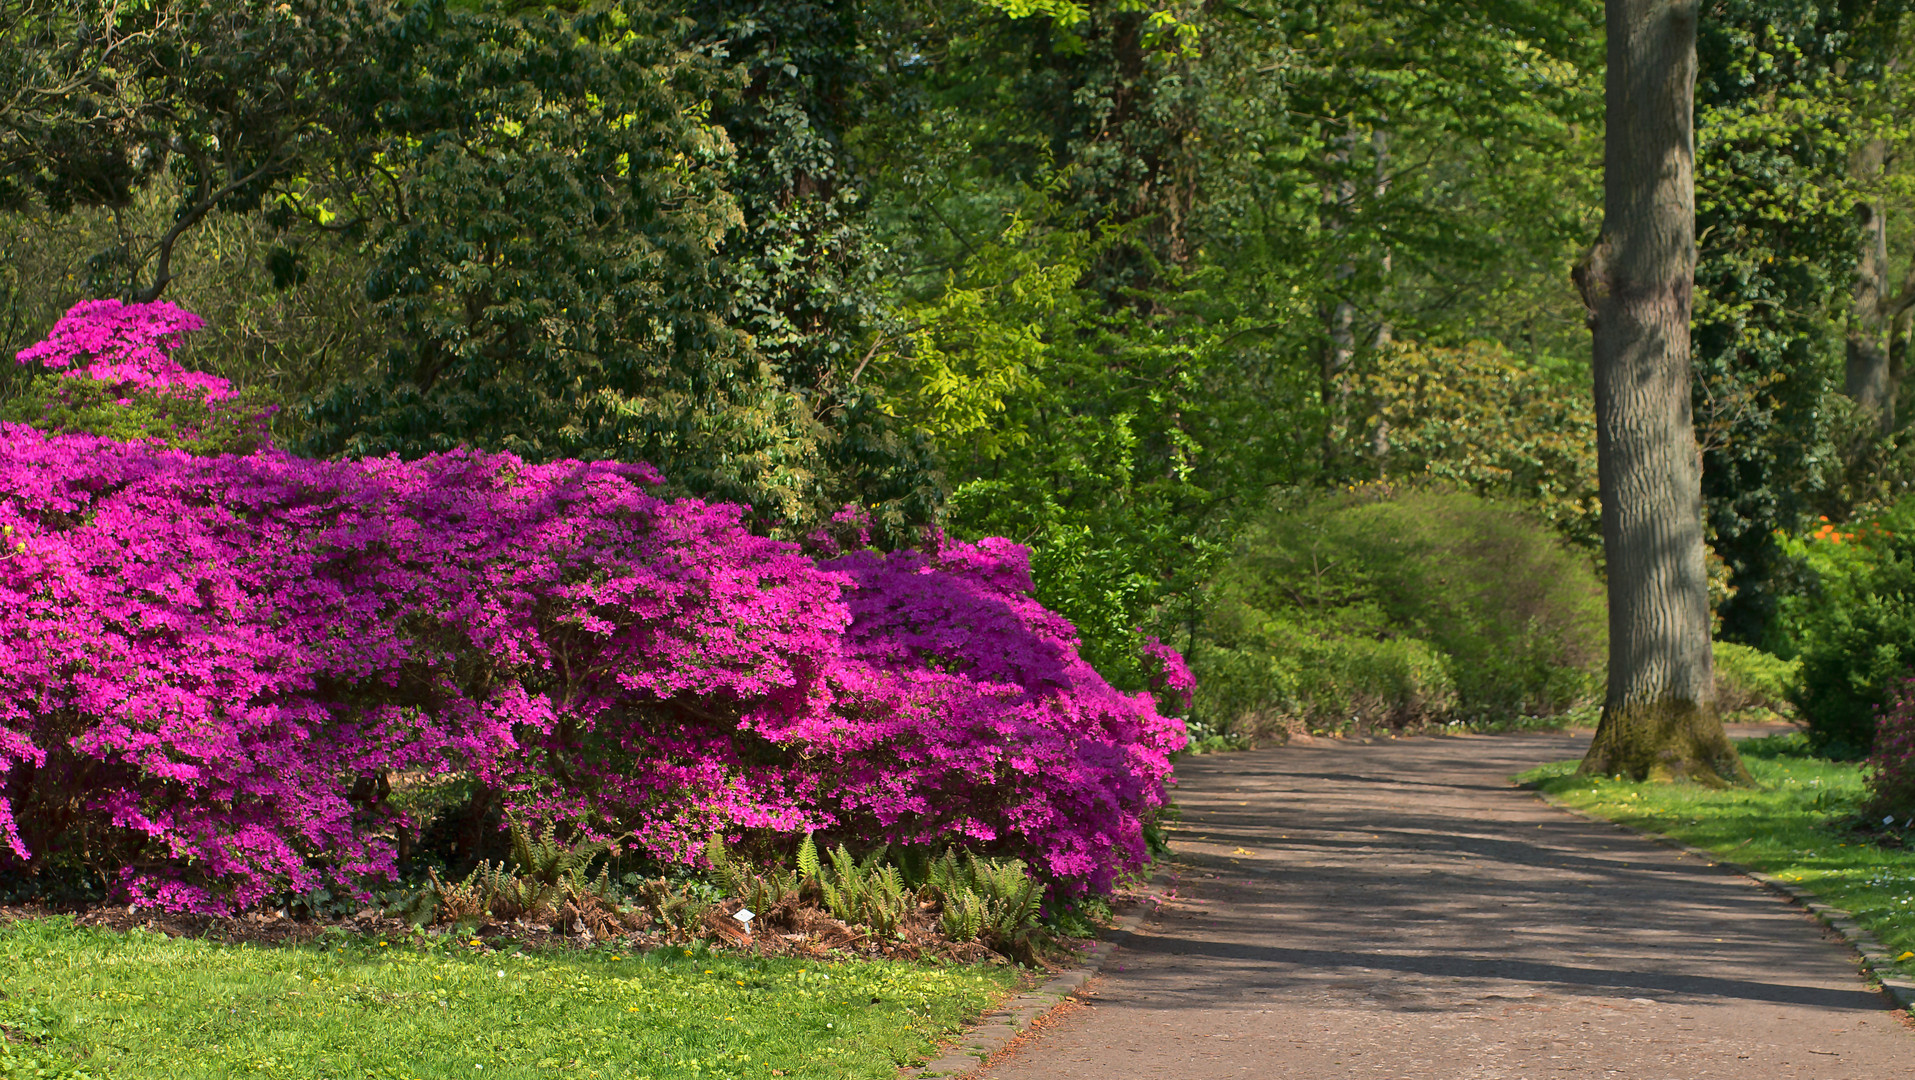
(92, 1004)
(1800, 823)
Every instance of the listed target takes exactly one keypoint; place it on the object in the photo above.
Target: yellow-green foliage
(69, 405)
(1478, 417)
(142, 1006)
(986, 338)
(1749, 679)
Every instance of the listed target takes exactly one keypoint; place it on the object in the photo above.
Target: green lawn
(1790, 825)
(89, 1003)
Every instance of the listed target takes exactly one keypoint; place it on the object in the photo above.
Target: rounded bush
(212, 668)
(1400, 606)
(1853, 627)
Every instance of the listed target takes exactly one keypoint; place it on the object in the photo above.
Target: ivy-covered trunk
(1659, 714)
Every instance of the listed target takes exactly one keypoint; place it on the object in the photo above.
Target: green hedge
(1375, 606)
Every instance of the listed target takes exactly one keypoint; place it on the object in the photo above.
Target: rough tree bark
(1659, 714)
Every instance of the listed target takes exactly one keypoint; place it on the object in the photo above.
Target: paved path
(1396, 910)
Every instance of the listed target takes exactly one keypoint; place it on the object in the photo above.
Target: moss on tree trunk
(1667, 740)
(1659, 720)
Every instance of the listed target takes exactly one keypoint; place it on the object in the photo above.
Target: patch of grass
(85, 1003)
(1799, 824)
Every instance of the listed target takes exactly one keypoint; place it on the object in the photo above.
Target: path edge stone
(968, 1051)
(1876, 961)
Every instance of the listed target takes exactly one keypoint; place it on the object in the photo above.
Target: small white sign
(744, 917)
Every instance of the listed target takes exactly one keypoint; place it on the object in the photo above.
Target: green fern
(546, 859)
(809, 869)
(996, 901)
(963, 916)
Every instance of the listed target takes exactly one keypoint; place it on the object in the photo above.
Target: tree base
(1669, 740)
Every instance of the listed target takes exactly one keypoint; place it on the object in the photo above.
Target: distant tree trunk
(1380, 149)
(1659, 714)
(1339, 311)
(1878, 315)
(1385, 333)
(1866, 379)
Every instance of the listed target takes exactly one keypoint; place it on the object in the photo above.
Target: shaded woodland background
(1156, 289)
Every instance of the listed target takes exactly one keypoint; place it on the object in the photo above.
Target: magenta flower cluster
(129, 344)
(214, 669)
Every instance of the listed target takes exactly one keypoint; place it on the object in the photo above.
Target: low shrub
(1398, 607)
(1889, 773)
(1853, 627)
(213, 668)
(1288, 679)
(1750, 680)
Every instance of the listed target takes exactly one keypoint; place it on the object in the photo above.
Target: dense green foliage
(1784, 97)
(1853, 624)
(1097, 276)
(1395, 609)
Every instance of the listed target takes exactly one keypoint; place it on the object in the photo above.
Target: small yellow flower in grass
(1905, 956)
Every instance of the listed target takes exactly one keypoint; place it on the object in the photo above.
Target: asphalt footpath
(1396, 909)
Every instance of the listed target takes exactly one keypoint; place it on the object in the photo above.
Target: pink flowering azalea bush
(213, 667)
(108, 369)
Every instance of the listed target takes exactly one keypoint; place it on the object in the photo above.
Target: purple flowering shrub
(1889, 773)
(213, 667)
(108, 369)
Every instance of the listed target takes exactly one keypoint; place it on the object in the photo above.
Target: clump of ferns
(992, 901)
(546, 881)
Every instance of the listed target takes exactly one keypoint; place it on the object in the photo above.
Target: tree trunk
(1868, 379)
(1659, 714)
(1380, 149)
(1385, 333)
(1338, 311)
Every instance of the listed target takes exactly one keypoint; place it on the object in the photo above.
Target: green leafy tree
(1781, 103)
(228, 100)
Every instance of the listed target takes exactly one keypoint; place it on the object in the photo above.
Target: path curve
(1396, 910)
